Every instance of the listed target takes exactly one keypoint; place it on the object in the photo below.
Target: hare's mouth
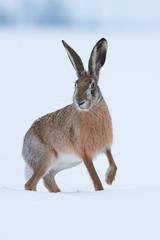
(81, 105)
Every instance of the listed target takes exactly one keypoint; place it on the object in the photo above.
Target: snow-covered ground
(112, 214)
(36, 77)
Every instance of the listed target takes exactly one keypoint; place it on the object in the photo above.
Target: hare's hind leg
(49, 181)
(111, 172)
(38, 158)
(38, 173)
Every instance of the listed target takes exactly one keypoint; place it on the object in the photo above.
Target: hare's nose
(80, 102)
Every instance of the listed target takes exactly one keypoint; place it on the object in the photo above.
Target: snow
(37, 78)
(122, 213)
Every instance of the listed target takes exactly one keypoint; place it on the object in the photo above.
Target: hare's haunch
(75, 133)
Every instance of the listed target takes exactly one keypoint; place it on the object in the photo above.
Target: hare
(75, 133)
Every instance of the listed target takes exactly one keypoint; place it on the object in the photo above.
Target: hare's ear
(75, 60)
(97, 58)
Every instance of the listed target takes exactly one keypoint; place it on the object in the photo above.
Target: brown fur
(50, 183)
(85, 132)
(111, 173)
(80, 130)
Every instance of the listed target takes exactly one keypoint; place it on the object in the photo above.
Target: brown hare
(75, 133)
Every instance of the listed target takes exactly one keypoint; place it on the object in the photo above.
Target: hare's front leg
(111, 172)
(93, 174)
(49, 182)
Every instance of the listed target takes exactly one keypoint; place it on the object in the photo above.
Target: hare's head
(87, 93)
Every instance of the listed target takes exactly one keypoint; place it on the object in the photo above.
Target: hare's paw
(110, 175)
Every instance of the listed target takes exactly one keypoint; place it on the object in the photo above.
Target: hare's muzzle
(80, 104)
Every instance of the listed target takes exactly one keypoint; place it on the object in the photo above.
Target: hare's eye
(75, 88)
(93, 86)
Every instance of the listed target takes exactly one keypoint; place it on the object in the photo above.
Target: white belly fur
(65, 161)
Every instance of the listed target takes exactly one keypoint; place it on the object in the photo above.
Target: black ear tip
(103, 39)
(101, 42)
(64, 43)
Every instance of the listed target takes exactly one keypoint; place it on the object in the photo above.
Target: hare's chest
(95, 135)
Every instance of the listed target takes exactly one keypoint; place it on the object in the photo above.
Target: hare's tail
(28, 172)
